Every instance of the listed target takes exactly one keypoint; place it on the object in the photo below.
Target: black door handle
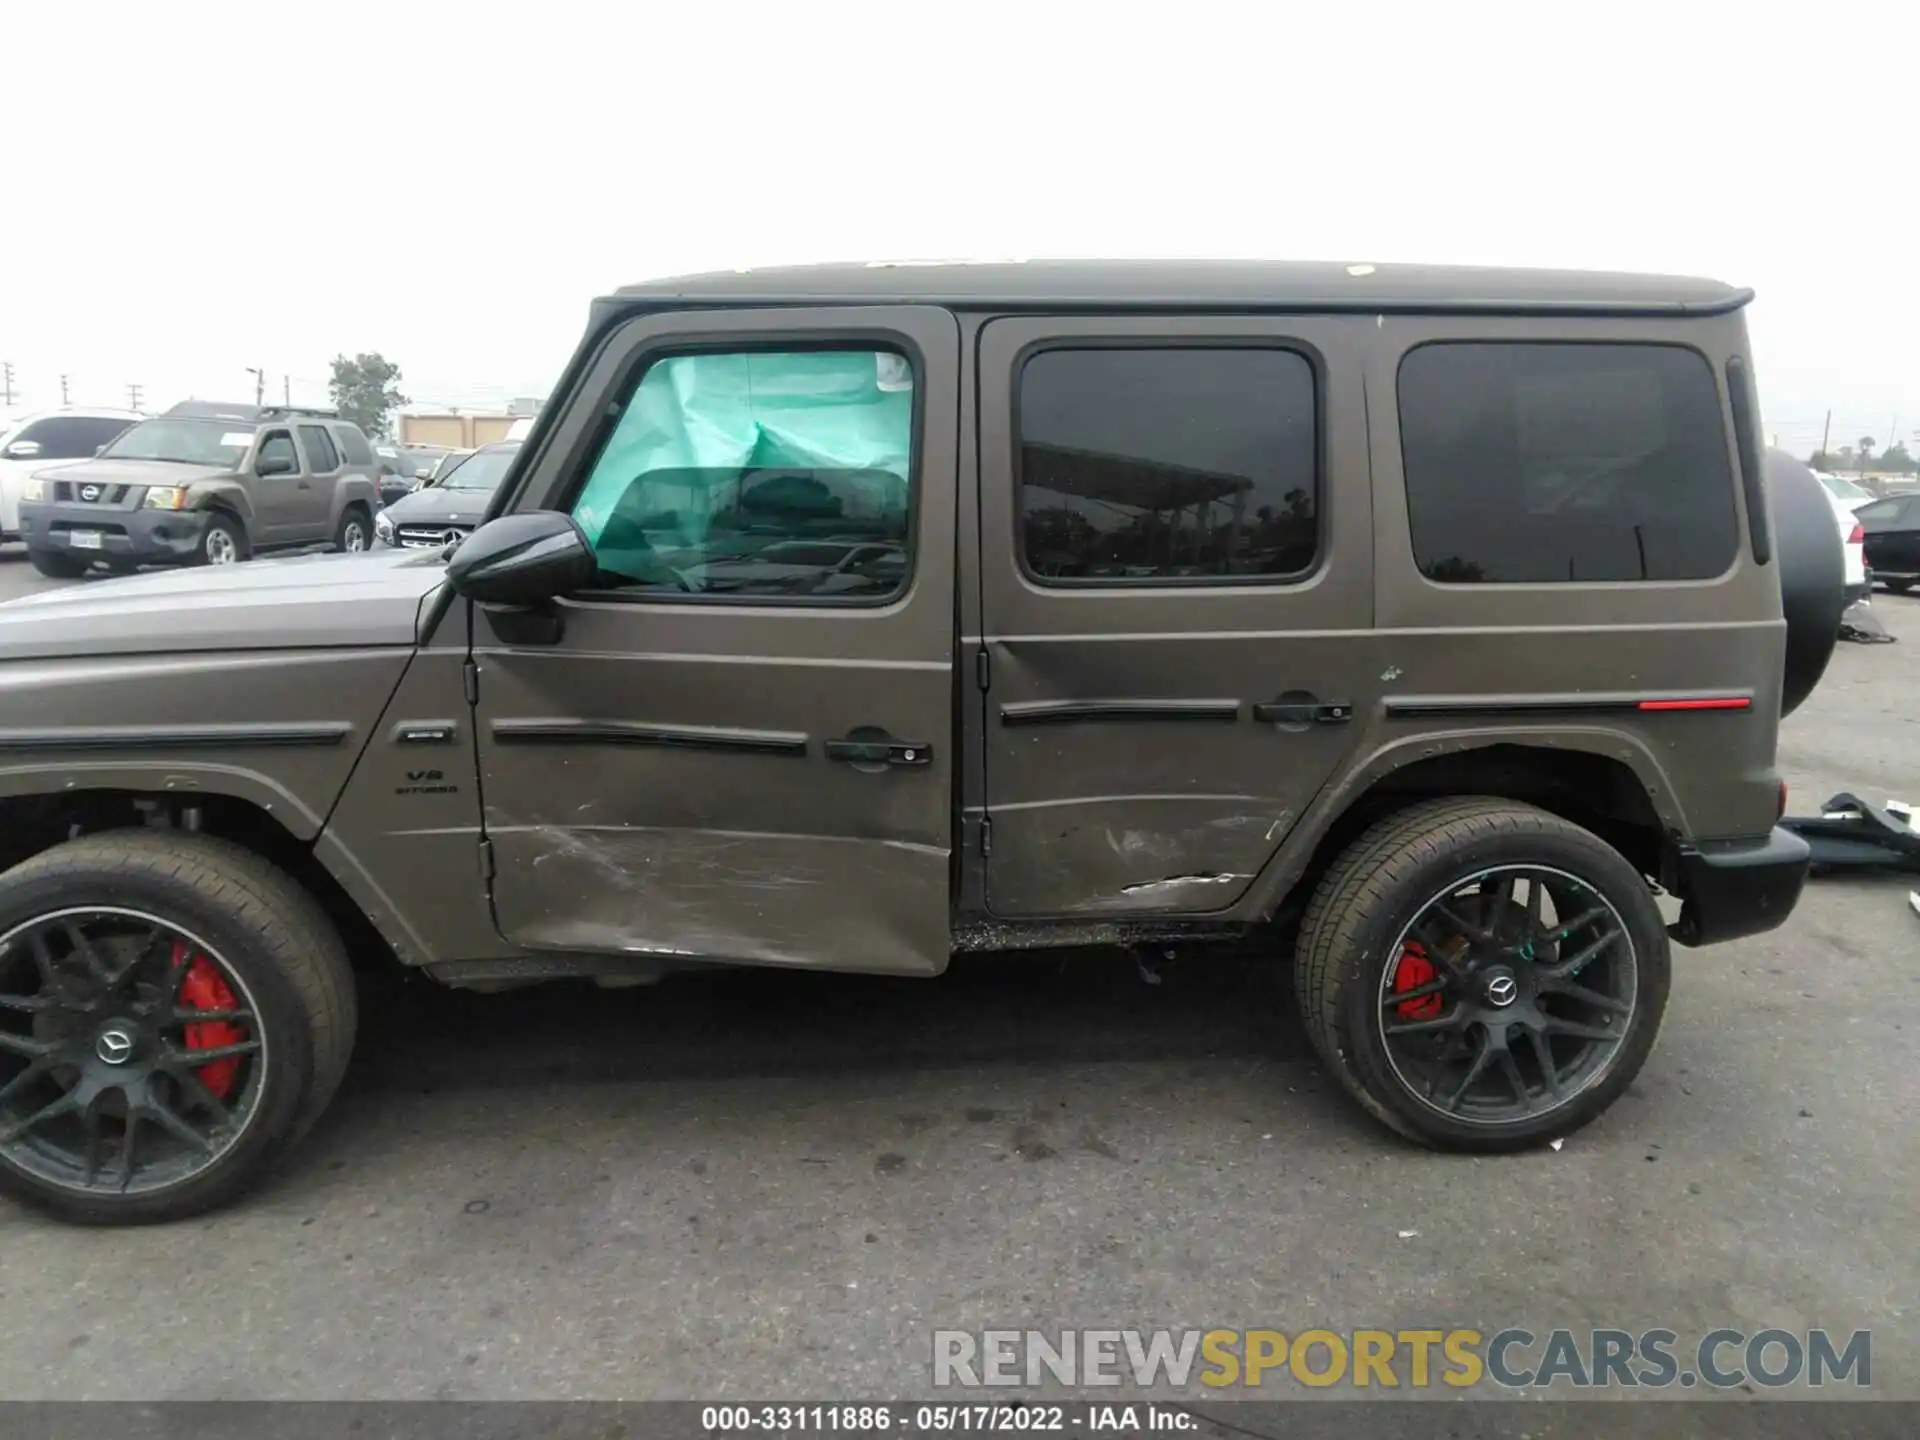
(1299, 709)
(875, 750)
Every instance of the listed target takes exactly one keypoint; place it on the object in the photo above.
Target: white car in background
(1845, 490)
(32, 443)
(1853, 542)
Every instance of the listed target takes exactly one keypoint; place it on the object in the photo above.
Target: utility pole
(63, 390)
(6, 380)
(1825, 430)
(259, 385)
(133, 397)
(286, 399)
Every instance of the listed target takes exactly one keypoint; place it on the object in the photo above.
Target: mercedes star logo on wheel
(1502, 989)
(114, 1046)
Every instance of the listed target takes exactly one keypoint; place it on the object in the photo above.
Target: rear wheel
(1482, 975)
(356, 530)
(174, 1011)
(55, 565)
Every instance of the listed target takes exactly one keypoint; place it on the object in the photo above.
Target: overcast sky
(192, 189)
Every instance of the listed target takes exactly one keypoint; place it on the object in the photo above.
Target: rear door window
(1143, 466)
(322, 457)
(1568, 463)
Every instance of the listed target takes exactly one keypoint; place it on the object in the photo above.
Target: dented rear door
(739, 746)
(1176, 589)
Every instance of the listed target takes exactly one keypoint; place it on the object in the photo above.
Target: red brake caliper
(1413, 971)
(203, 989)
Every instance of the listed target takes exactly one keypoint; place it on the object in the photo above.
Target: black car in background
(1893, 540)
(450, 505)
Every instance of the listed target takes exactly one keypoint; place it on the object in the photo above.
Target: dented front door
(739, 747)
(1176, 589)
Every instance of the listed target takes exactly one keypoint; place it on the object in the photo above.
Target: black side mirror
(523, 560)
(274, 465)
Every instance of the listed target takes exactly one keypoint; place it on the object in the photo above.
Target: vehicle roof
(241, 413)
(79, 412)
(1250, 284)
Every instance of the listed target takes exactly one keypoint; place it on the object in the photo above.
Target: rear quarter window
(1570, 463)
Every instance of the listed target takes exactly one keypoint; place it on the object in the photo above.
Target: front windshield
(185, 442)
(482, 470)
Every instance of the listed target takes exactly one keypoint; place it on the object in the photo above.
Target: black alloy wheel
(1513, 992)
(1481, 974)
(132, 1058)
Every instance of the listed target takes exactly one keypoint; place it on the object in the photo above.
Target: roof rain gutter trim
(654, 300)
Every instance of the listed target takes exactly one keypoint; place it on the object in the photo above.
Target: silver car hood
(309, 600)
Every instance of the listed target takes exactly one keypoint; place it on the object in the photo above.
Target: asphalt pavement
(761, 1184)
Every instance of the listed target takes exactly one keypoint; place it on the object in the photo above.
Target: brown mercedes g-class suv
(1423, 625)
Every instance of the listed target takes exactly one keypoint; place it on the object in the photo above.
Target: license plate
(84, 539)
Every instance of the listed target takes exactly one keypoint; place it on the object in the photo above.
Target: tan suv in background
(205, 484)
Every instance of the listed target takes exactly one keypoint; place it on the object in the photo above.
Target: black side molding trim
(174, 737)
(1076, 712)
(671, 737)
(1418, 707)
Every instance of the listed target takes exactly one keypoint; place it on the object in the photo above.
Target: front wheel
(55, 565)
(174, 1011)
(1483, 975)
(224, 543)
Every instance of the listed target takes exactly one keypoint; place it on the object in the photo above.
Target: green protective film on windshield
(820, 410)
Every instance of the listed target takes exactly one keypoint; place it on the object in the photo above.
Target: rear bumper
(1734, 888)
(138, 537)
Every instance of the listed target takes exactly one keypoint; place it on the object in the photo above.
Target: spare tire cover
(1807, 552)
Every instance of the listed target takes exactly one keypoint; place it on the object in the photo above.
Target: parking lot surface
(768, 1185)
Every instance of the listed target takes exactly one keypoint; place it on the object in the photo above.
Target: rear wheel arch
(1631, 806)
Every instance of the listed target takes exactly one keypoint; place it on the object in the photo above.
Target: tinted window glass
(1565, 463)
(353, 444)
(70, 437)
(277, 446)
(767, 475)
(1880, 510)
(1166, 464)
(319, 447)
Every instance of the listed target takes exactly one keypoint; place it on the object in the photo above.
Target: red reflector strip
(1724, 702)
